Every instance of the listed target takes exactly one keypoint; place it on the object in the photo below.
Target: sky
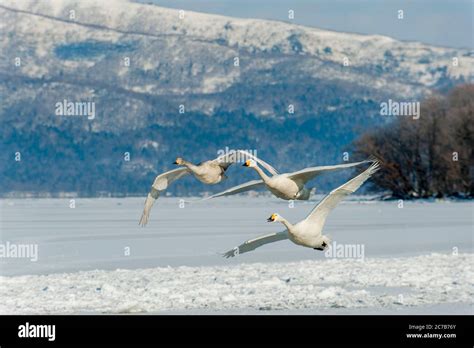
(438, 22)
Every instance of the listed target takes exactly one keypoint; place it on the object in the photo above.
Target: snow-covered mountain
(142, 64)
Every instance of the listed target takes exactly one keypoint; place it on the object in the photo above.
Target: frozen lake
(416, 258)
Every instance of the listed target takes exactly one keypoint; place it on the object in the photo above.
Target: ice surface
(315, 286)
(418, 258)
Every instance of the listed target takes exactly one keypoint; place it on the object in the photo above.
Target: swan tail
(327, 240)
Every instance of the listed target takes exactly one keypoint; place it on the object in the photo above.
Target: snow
(418, 259)
(149, 22)
(375, 283)
(216, 84)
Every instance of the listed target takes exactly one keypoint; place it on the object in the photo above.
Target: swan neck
(188, 165)
(285, 222)
(261, 173)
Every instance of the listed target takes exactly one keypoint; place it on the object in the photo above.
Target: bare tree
(432, 156)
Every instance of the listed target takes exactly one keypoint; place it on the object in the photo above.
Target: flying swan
(287, 186)
(308, 232)
(208, 172)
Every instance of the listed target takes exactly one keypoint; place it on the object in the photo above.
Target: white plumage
(208, 172)
(287, 186)
(308, 232)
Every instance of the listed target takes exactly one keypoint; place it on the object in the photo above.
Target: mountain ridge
(172, 69)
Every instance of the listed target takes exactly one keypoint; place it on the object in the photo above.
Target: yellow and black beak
(246, 164)
(271, 218)
(175, 162)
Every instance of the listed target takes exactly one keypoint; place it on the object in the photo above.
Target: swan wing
(264, 164)
(253, 244)
(310, 173)
(319, 214)
(150, 199)
(237, 189)
(160, 184)
(234, 156)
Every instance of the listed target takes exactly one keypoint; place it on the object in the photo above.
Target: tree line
(432, 156)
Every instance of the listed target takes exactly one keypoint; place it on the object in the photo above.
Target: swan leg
(322, 247)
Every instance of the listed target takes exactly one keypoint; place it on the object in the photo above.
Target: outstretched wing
(253, 244)
(149, 201)
(239, 155)
(160, 184)
(308, 174)
(237, 189)
(319, 214)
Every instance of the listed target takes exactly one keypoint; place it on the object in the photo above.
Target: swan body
(288, 186)
(208, 172)
(283, 187)
(308, 232)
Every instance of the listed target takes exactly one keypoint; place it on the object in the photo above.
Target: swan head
(179, 161)
(274, 217)
(250, 163)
